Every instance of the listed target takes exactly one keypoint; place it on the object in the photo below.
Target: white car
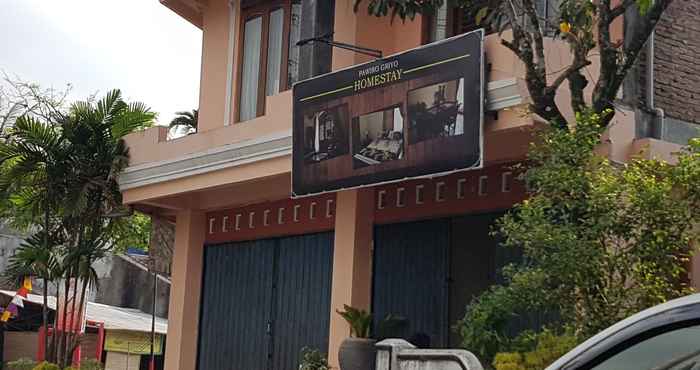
(664, 337)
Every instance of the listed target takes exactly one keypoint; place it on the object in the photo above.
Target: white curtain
(398, 120)
(251, 68)
(438, 30)
(317, 132)
(459, 126)
(274, 52)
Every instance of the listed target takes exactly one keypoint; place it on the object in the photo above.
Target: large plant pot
(357, 354)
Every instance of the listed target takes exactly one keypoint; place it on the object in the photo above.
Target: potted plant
(358, 352)
(313, 359)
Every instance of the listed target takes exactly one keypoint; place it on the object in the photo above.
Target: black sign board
(414, 114)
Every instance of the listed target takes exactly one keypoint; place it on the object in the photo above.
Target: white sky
(138, 46)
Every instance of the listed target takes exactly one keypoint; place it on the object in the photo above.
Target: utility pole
(152, 365)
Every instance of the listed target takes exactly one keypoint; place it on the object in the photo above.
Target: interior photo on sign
(436, 111)
(378, 137)
(326, 133)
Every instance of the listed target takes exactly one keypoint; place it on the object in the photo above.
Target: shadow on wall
(127, 283)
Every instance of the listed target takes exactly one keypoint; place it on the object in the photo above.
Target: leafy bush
(548, 347)
(90, 365)
(46, 366)
(313, 359)
(21, 364)
(600, 240)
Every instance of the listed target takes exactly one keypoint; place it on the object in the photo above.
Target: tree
(64, 168)
(601, 241)
(33, 163)
(584, 25)
(95, 131)
(132, 232)
(20, 98)
(185, 122)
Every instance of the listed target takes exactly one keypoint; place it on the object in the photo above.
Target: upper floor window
(269, 61)
(448, 21)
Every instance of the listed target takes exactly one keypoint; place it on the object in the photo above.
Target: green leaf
(481, 14)
(644, 6)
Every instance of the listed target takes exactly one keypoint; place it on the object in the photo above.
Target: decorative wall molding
(249, 151)
(494, 188)
(272, 219)
(500, 94)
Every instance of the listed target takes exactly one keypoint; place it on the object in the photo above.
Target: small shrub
(21, 364)
(313, 359)
(91, 365)
(548, 347)
(70, 368)
(46, 366)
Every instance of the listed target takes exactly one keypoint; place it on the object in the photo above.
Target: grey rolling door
(302, 297)
(410, 277)
(264, 300)
(235, 309)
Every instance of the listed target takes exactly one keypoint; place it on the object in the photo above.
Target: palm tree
(63, 174)
(93, 203)
(185, 121)
(33, 165)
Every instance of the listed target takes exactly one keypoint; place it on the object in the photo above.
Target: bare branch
(573, 68)
(605, 92)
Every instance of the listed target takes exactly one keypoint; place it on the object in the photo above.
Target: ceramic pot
(357, 354)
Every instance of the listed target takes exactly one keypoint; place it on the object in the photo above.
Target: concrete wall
(128, 284)
(122, 361)
(20, 344)
(10, 240)
(676, 76)
(676, 67)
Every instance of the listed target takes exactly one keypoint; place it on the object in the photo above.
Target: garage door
(411, 278)
(264, 300)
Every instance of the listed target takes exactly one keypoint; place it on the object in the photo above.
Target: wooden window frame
(454, 24)
(263, 10)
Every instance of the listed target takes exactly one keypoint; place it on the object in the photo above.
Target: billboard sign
(413, 114)
(133, 342)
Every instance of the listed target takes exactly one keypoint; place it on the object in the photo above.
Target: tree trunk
(45, 315)
(76, 336)
(51, 353)
(62, 339)
(70, 332)
(45, 307)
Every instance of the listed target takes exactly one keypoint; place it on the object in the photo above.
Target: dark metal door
(302, 298)
(263, 300)
(410, 277)
(236, 306)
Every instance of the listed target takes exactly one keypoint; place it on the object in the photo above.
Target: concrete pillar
(352, 261)
(183, 318)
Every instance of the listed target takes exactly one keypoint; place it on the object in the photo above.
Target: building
(256, 274)
(118, 337)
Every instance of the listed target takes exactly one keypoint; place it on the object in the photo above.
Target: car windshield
(678, 349)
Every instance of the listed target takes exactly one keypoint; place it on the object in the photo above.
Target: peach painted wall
(239, 175)
(215, 49)
(181, 348)
(512, 126)
(151, 146)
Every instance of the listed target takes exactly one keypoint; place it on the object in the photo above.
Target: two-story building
(258, 274)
